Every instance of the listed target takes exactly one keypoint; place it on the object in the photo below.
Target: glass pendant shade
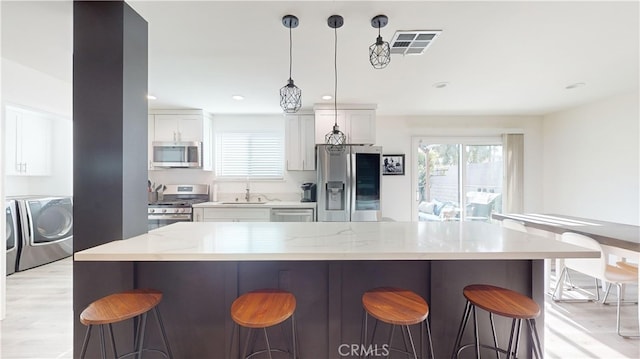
(380, 54)
(290, 97)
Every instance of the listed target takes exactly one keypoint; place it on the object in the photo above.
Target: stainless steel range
(176, 203)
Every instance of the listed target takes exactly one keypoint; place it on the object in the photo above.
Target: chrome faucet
(247, 196)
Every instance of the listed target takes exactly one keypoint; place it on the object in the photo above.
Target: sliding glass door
(458, 179)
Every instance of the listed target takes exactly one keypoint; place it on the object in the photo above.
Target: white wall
(394, 134)
(592, 159)
(26, 87)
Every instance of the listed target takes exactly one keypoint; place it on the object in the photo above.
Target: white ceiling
(500, 58)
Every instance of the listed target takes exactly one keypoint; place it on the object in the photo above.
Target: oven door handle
(169, 216)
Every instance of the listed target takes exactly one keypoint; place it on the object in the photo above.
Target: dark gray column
(110, 146)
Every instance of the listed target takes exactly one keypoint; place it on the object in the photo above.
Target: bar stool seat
(503, 302)
(396, 306)
(118, 307)
(261, 309)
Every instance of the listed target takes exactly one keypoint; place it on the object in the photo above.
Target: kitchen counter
(249, 241)
(201, 268)
(267, 204)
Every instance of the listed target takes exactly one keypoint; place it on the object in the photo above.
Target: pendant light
(336, 139)
(290, 94)
(379, 52)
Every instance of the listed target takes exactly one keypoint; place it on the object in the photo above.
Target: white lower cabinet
(231, 214)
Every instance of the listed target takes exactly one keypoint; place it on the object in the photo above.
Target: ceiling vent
(413, 42)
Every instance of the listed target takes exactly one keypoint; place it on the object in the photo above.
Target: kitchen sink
(243, 202)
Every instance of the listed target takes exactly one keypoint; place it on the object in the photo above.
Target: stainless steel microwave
(177, 154)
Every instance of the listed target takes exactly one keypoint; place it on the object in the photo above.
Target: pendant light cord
(335, 78)
(290, 50)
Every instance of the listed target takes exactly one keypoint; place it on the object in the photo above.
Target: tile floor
(38, 324)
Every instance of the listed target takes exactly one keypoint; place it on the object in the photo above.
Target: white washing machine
(47, 230)
(12, 235)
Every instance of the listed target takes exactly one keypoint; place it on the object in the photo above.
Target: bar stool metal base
(251, 339)
(385, 350)
(138, 341)
(514, 337)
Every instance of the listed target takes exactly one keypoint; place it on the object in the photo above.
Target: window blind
(253, 155)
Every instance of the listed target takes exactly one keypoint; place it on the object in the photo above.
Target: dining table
(617, 239)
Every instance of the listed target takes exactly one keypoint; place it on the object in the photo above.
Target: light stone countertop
(268, 241)
(267, 204)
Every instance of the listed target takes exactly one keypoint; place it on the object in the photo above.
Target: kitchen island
(203, 267)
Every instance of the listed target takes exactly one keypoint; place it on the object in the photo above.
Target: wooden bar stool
(396, 306)
(261, 309)
(119, 307)
(503, 302)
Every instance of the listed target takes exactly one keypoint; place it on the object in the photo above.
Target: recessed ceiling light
(441, 85)
(237, 97)
(327, 97)
(575, 85)
(151, 97)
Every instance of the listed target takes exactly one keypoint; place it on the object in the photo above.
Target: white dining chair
(513, 224)
(597, 268)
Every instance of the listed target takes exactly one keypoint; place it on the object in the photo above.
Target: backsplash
(287, 189)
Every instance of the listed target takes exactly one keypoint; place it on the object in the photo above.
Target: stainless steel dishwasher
(293, 215)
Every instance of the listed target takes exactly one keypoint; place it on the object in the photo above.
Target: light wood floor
(39, 326)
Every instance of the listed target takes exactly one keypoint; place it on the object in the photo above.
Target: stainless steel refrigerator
(349, 183)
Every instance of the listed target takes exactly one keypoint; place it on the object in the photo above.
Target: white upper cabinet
(359, 125)
(178, 128)
(325, 119)
(28, 143)
(362, 126)
(300, 145)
